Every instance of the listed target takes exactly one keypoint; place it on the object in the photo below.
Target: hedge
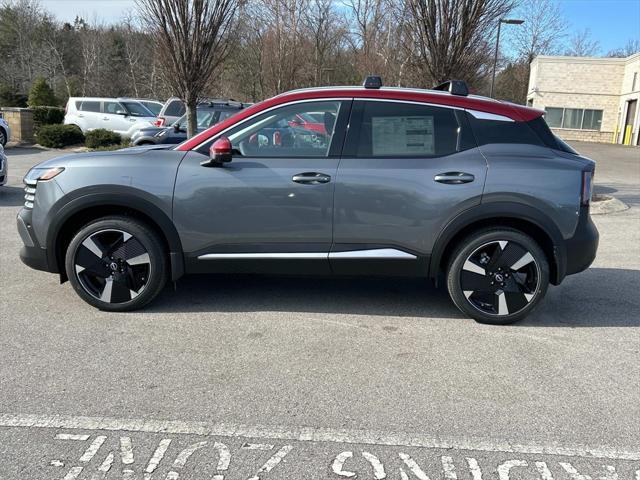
(47, 116)
(101, 137)
(59, 136)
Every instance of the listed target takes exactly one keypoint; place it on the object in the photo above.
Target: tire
(3, 137)
(497, 275)
(116, 264)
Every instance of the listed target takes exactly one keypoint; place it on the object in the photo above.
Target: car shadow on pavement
(11, 196)
(599, 297)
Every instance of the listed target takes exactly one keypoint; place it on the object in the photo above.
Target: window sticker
(402, 135)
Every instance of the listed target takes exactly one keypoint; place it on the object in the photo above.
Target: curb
(604, 204)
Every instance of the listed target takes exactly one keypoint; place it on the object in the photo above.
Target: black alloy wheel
(116, 264)
(498, 276)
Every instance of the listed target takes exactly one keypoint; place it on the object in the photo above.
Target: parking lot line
(308, 434)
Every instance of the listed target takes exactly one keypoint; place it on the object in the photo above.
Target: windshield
(136, 109)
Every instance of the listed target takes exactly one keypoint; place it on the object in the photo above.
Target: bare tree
(453, 36)
(191, 38)
(631, 47)
(582, 45)
(542, 30)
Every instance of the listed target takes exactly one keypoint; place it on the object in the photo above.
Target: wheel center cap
(113, 266)
(499, 277)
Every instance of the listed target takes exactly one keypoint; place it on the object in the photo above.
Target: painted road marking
(308, 434)
(157, 456)
(272, 462)
(93, 449)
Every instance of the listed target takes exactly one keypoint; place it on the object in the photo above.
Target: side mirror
(219, 153)
(121, 112)
(176, 127)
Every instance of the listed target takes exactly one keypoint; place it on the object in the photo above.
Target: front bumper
(31, 253)
(581, 249)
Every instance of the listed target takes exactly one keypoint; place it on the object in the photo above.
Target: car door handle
(311, 178)
(105, 118)
(454, 178)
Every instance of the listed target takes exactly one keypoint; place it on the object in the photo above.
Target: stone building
(588, 98)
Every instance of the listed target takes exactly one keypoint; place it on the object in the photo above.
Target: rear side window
(394, 129)
(497, 131)
(175, 109)
(90, 106)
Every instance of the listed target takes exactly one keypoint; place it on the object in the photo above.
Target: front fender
(115, 196)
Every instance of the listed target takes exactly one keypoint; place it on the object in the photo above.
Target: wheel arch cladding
(67, 220)
(520, 217)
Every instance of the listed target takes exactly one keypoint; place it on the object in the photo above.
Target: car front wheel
(116, 264)
(497, 276)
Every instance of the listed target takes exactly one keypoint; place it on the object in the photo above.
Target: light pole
(509, 21)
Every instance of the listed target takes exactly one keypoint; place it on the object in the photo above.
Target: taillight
(160, 122)
(587, 188)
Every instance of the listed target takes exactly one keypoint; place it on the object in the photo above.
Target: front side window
(394, 129)
(279, 132)
(112, 107)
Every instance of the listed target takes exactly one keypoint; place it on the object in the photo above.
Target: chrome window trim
(489, 116)
(375, 253)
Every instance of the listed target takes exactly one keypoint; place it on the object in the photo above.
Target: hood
(102, 158)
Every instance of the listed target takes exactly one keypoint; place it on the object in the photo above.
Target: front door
(406, 170)
(112, 120)
(271, 208)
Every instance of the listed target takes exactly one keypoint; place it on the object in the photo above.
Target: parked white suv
(5, 132)
(121, 115)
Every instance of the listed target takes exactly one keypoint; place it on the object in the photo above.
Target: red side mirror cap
(220, 152)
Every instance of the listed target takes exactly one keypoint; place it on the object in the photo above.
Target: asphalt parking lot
(285, 378)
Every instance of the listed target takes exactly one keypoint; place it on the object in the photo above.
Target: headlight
(42, 174)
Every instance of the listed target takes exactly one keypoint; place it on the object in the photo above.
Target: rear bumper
(582, 247)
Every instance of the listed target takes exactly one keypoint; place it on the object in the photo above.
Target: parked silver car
(5, 132)
(4, 167)
(122, 115)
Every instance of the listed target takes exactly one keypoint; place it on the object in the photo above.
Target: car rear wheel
(3, 137)
(497, 276)
(116, 264)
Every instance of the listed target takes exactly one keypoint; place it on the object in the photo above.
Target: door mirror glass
(219, 153)
(121, 112)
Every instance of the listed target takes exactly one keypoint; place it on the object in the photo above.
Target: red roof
(518, 113)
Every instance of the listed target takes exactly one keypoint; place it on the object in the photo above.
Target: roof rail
(454, 87)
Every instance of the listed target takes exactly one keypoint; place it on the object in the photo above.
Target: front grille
(29, 193)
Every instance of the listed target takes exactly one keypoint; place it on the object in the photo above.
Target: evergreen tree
(41, 94)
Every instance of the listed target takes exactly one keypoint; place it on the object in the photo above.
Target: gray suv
(473, 193)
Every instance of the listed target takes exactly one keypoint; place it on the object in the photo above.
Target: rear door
(90, 115)
(406, 170)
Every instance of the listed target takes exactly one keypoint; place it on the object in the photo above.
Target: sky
(611, 22)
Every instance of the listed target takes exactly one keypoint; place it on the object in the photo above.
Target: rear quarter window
(498, 131)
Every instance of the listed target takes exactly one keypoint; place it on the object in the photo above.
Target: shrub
(59, 136)
(41, 94)
(101, 137)
(47, 116)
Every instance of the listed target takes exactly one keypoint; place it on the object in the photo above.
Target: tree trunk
(192, 117)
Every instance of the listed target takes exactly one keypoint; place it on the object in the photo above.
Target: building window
(635, 77)
(574, 118)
